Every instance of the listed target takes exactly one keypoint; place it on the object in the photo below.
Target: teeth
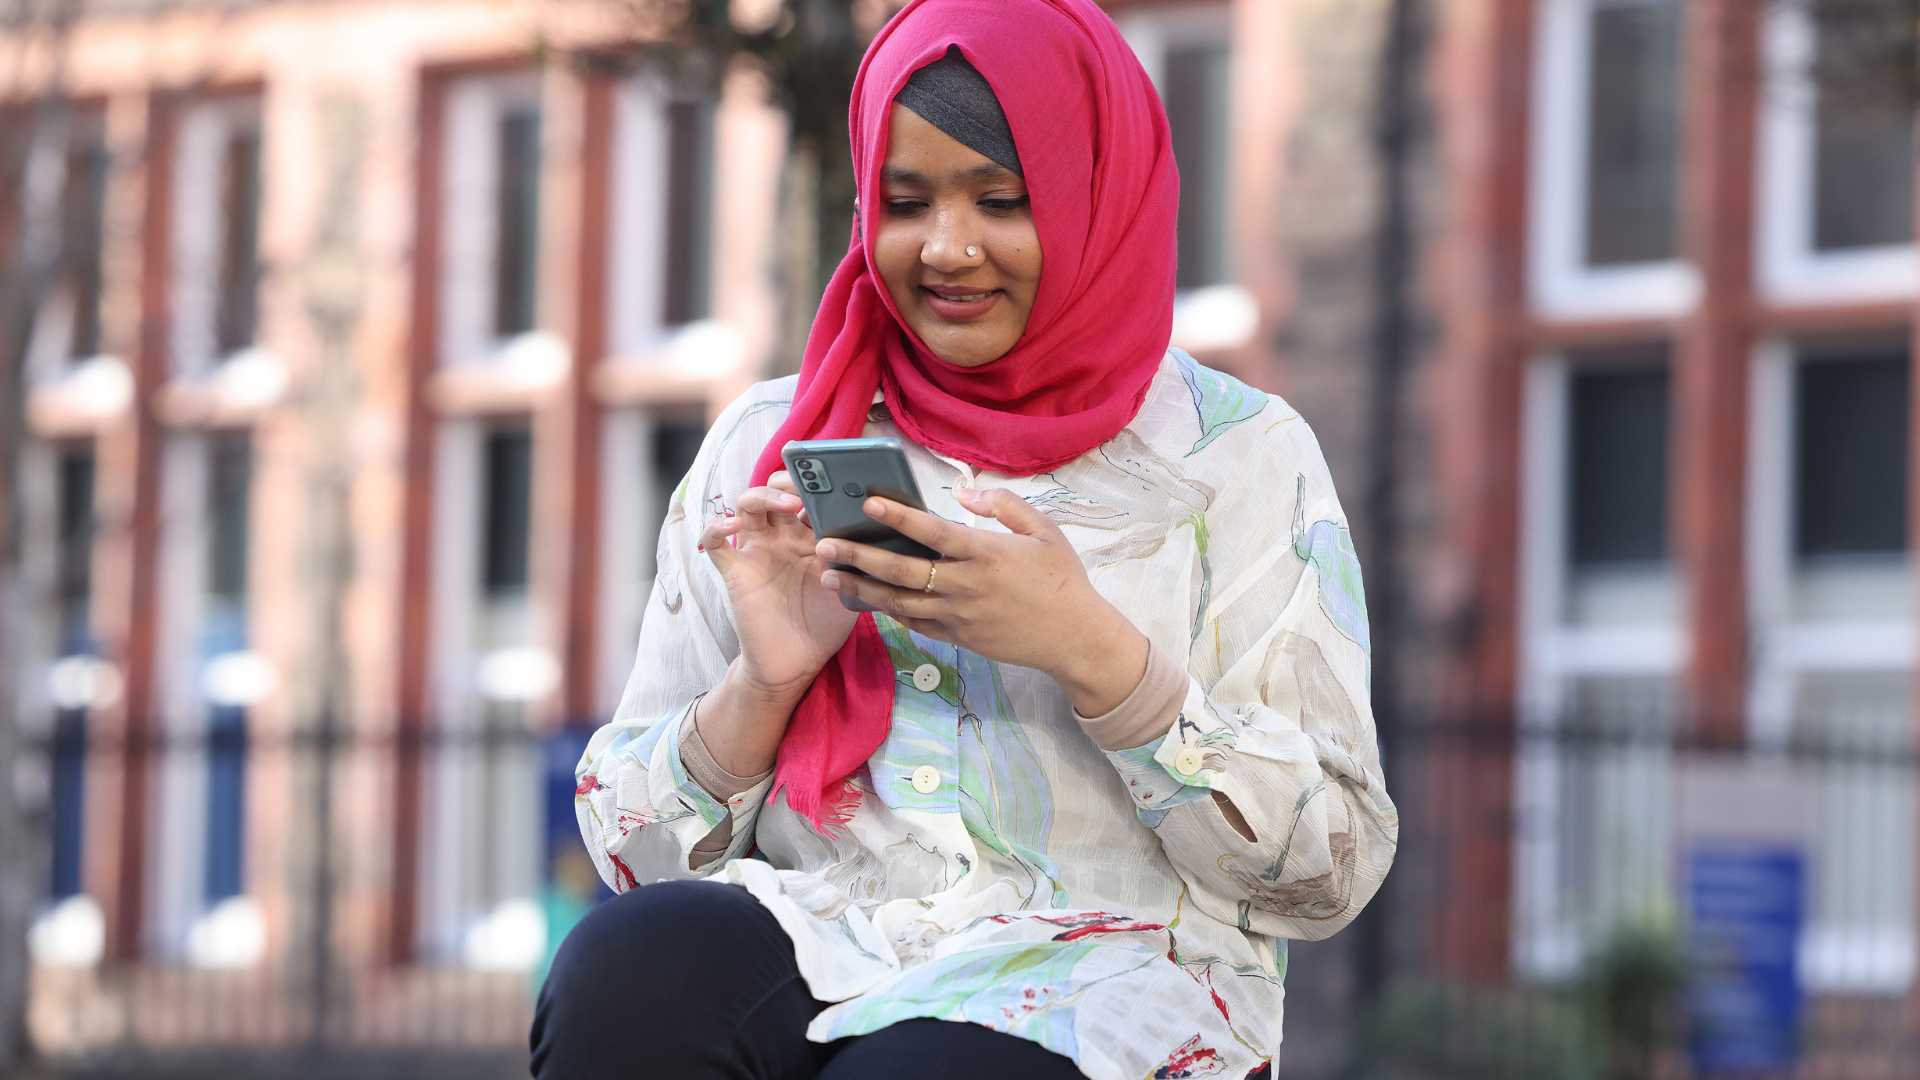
(968, 299)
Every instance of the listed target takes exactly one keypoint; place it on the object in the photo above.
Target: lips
(959, 303)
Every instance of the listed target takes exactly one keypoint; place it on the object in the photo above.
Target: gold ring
(932, 567)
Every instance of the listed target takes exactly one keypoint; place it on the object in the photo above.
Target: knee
(651, 937)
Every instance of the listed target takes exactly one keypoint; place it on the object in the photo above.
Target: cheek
(1022, 259)
(893, 256)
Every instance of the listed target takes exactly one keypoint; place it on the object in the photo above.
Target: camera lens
(807, 474)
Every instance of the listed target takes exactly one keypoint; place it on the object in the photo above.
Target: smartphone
(835, 476)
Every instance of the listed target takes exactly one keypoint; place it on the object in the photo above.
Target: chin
(966, 353)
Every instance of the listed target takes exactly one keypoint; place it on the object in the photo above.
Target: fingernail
(830, 579)
(828, 550)
(875, 508)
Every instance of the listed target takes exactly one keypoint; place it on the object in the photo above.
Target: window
(490, 202)
(1187, 52)
(663, 217)
(674, 443)
(1188, 55)
(505, 517)
(1603, 645)
(1851, 454)
(1195, 90)
(479, 874)
(1617, 467)
(689, 205)
(1863, 142)
(239, 273)
(1835, 214)
(216, 234)
(1633, 99)
(74, 559)
(647, 453)
(84, 242)
(66, 328)
(1606, 159)
(1831, 601)
(224, 637)
(73, 588)
(516, 220)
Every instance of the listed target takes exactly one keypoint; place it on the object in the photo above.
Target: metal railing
(1546, 916)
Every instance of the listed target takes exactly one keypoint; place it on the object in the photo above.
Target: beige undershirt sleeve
(718, 783)
(1147, 712)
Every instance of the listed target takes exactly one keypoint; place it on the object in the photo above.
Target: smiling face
(938, 198)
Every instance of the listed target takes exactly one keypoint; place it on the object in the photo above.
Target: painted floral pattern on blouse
(1100, 904)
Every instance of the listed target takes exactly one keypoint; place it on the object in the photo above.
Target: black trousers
(695, 980)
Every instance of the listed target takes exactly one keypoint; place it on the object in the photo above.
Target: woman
(1080, 780)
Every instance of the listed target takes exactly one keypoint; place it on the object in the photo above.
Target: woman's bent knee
(659, 936)
(674, 968)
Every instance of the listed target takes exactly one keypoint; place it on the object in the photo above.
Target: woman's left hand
(1020, 597)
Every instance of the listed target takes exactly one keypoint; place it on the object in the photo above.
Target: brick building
(444, 279)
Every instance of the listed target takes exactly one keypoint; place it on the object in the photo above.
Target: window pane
(1850, 452)
(229, 484)
(85, 236)
(508, 477)
(1197, 101)
(1863, 164)
(1632, 117)
(674, 444)
(1617, 459)
(74, 561)
(516, 218)
(689, 211)
(223, 870)
(67, 804)
(239, 241)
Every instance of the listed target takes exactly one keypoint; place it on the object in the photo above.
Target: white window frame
(39, 559)
(183, 925)
(1789, 269)
(50, 359)
(1791, 643)
(627, 487)
(469, 186)
(1547, 942)
(466, 640)
(637, 331)
(1223, 315)
(630, 484)
(1560, 282)
(204, 128)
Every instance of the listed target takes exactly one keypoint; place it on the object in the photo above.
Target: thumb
(1010, 510)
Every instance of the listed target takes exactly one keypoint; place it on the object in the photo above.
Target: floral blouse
(1000, 867)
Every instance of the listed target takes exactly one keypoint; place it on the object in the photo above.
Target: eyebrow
(893, 174)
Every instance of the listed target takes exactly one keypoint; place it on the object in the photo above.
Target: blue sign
(1746, 908)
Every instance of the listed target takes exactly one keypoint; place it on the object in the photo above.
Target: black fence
(1592, 897)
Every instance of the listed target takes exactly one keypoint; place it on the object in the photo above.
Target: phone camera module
(813, 475)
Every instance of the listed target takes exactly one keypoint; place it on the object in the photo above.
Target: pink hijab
(1098, 162)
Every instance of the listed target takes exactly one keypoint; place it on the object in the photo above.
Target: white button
(926, 678)
(1188, 762)
(925, 779)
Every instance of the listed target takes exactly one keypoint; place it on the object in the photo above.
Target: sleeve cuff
(706, 772)
(1147, 712)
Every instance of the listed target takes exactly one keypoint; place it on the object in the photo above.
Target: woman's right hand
(788, 623)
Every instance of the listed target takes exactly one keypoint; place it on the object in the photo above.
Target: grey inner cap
(952, 96)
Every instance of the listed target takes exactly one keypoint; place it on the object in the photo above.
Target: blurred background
(352, 348)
